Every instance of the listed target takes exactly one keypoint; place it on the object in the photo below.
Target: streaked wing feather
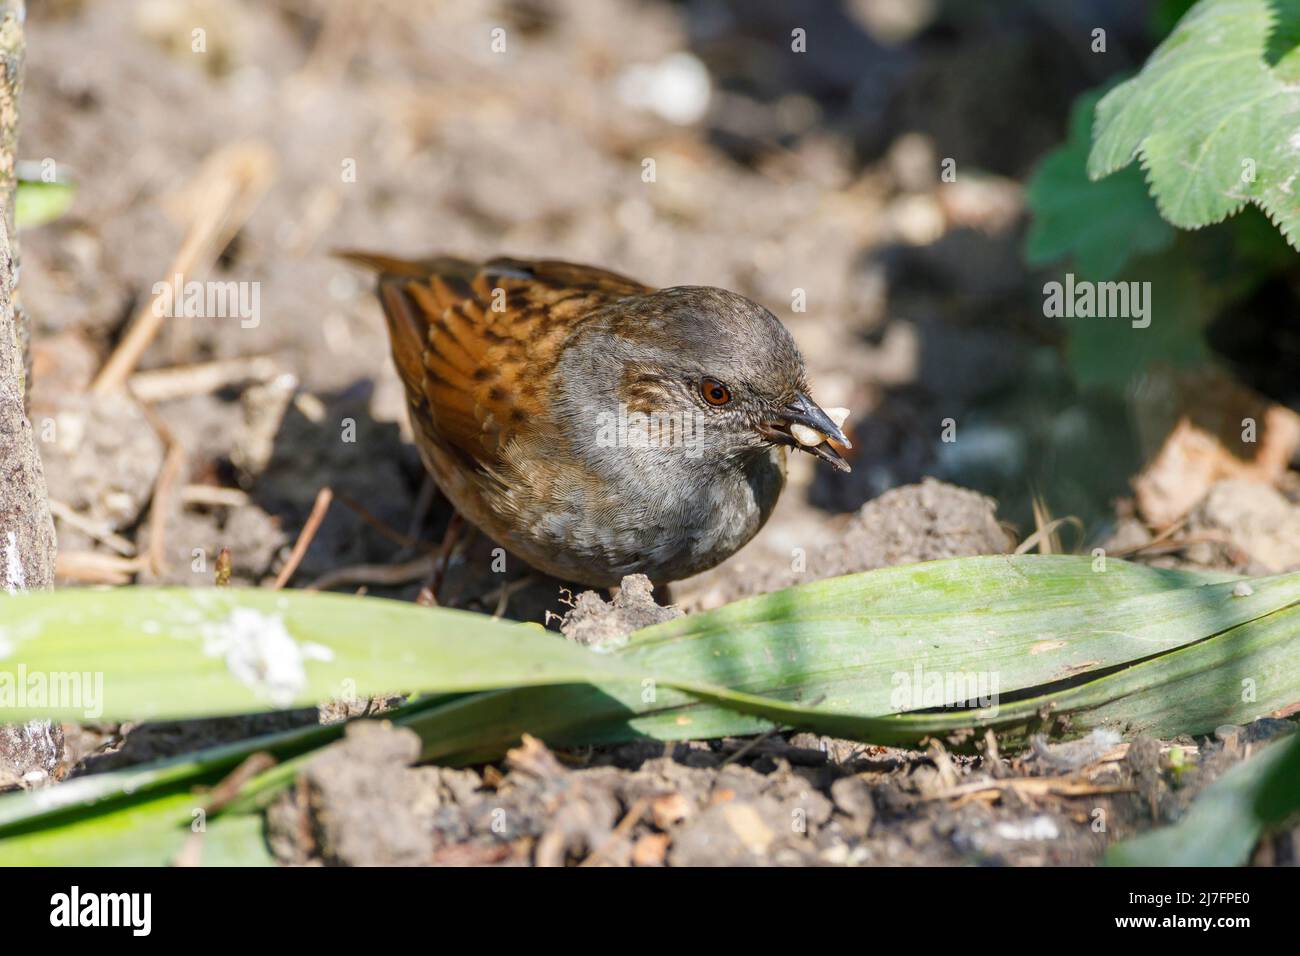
(475, 345)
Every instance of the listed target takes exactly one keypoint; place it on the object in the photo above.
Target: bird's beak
(804, 411)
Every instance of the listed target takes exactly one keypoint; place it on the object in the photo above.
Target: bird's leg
(423, 505)
(429, 593)
(503, 593)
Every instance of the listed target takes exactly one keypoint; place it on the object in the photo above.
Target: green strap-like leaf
(137, 653)
(1226, 820)
(819, 656)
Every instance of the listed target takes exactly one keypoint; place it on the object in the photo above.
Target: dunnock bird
(591, 425)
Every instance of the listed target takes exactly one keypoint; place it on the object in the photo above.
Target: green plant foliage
(1192, 689)
(181, 653)
(1213, 117)
(1110, 229)
(1227, 819)
(1110, 353)
(40, 202)
(1137, 648)
(1099, 225)
(151, 833)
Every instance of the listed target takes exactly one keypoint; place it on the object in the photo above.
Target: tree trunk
(31, 752)
(12, 54)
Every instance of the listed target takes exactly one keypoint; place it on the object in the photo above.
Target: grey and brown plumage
(518, 373)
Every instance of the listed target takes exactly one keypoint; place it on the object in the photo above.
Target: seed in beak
(837, 415)
(811, 437)
(806, 436)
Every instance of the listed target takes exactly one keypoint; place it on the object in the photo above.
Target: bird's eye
(714, 392)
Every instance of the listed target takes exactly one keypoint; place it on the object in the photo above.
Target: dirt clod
(650, 850)
(1255, 521)
(363, 804)
(31, 754)
(594, 622)
(102, 461)
(921, 522)
(734, 833)
(852, 797)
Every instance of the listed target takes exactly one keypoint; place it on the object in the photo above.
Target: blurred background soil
(395, 126)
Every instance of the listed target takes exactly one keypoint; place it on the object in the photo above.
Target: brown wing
(475, 344)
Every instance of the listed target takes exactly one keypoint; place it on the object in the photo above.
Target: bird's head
(707, 371)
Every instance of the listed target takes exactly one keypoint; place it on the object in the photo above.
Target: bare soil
(812, 175)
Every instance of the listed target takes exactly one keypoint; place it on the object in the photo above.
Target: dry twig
(98, 530)
(374, 574)
(226, 191)
(183, 381)
(318, 510)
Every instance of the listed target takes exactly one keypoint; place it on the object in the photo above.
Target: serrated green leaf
(1283, 52)
(1213, 124)
(1099, 225)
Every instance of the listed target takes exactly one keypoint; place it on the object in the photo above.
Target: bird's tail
(407, 268)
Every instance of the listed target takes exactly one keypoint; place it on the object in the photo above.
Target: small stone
(1263, 729)
(748, 826)
(103, 460)
(671, 809)
(1229, 734)
(836, 855)
(650, 850)
(852, 796)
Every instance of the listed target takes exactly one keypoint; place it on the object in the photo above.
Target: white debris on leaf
(1242, 589)
(261, 654)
